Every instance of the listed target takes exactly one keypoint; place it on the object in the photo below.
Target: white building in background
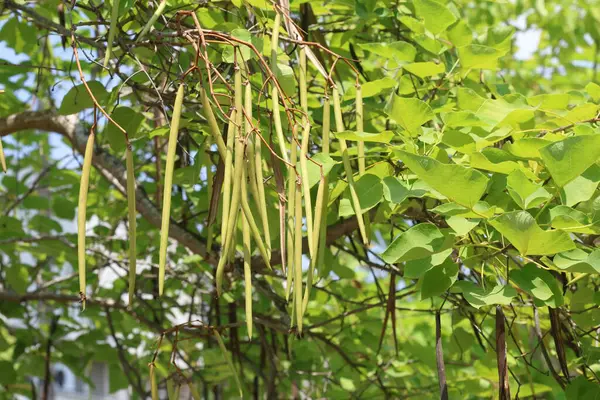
(66, 386)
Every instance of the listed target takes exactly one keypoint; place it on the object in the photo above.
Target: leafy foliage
(480, 190)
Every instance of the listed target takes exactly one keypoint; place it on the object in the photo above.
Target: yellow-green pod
(153, 383)
(227, 176)
(2, 157)
(361, 147)
(114, 16)
(298, 258)
(229, 362)
(274, 91)
(212, 123)
(152, 20)
(166, 211)
(291, 209)
(306, 187)
(256, 234)
(209, 184)
(255, 169)
(81, 214)
(247, 266)
(194, 391)
(132, 221)
(348, 168)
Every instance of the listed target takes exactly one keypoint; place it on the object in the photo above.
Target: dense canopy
(301, 199)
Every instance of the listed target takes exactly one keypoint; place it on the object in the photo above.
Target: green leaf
(417, 242)
(460, 34)
(381, 137)
(17, 278)
(539, 283)
(569, 158)
(593, 90)
(578, 260)
(400, 52)
(463, 185)
(7, 373)
(425, 69)
(527, 148)
(570, 220)
(409, 113)
(314, 171)
(462, 225)
(582, 188)
(347, 384)
(394, 190)
(370, 193)
(372, 88)
(436, 16)
(130, 120)
(438, 279)
(78, 99)
(523, 232)
(246, 52)
(524, 192)
(416, 268)
(479, 297)
(479, 56)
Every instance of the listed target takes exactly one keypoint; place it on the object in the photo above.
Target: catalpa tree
(368, 199)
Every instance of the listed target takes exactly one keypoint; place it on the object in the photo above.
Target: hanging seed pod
(256, 234)
(209, 184)
(166, 212)
(257, 185)
(132, 221)
(291, 209)
(212, 123)
(361, 148)
(229, 362)
(114, 16)
(2, 158)
(227, 240)
(152, 20)
(227, 177)
(194, 391)
(274, 92)
(306, 187)
(81, 213)
(247, 266)
(348, 168)
(298, 257)
(316, 236)
(153, 384)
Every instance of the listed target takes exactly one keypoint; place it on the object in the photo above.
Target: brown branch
(439, 357)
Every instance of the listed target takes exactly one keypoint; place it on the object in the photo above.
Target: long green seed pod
(132, 221)
(325, 149)
(114, 16)
(304, 152)
(337, 109)
(212, 123)
(227, 178)
(81, 213)
(256, 181)
(194, 391)
(256, 234)
(171, 390)
(229, 362)
(152, 20)
(247, 266)
(298, 258)
(361, 148)
(306, 187)
(153, 384)
(234, 206)
(316, 236)
(227, 240)
(209, 184)
(2, 158)
(166, 211)
(291, 209)
(274, 92)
